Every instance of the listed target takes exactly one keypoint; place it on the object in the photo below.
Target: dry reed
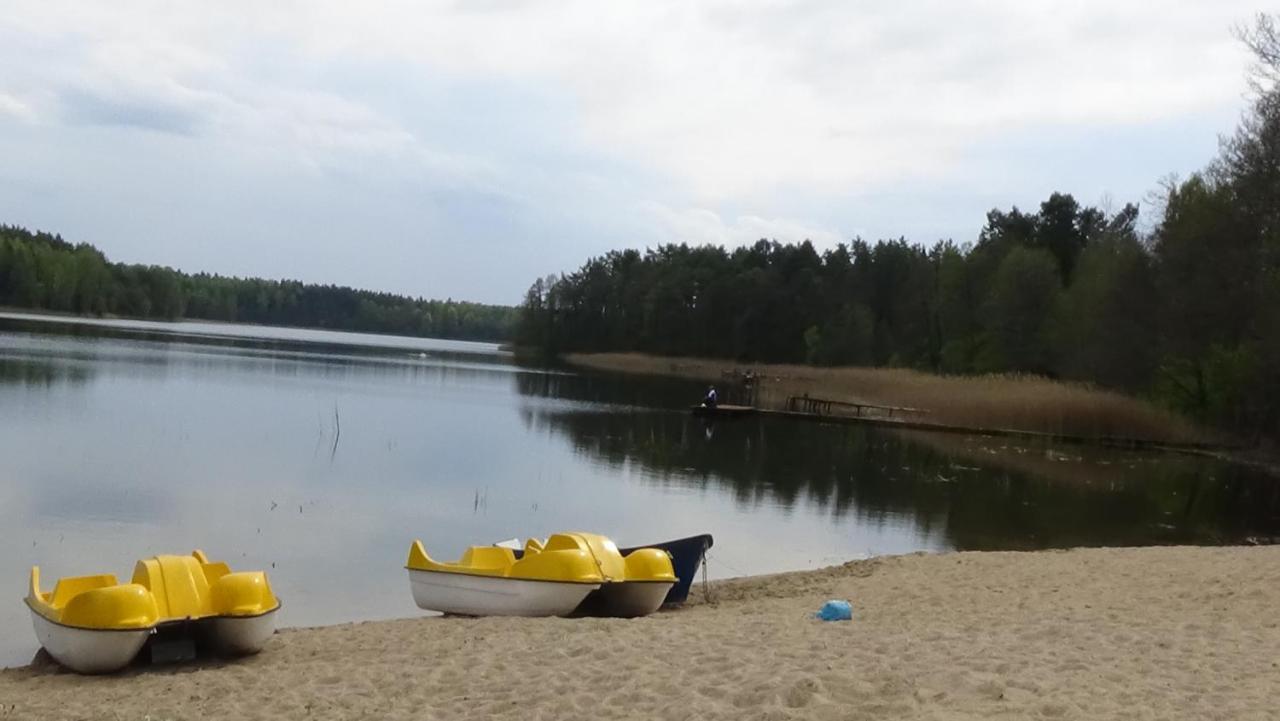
(1006, 401)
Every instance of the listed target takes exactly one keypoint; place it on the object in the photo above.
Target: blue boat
(687, 555)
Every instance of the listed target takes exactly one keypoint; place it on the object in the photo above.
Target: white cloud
(728, 99)
(16, 108)
(699, 226)
(578, 126)
(736, 99)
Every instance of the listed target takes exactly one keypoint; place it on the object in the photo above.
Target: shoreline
(992, 404)
(70, 317)
(1161, 632)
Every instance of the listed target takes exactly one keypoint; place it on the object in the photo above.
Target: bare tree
(1263, 39)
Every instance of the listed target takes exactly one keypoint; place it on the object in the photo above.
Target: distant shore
(1176, 633)
(108, 318)
(1014, 402)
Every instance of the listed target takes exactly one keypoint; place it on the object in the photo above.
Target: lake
(318, 456)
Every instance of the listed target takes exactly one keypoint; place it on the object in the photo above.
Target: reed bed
(1004, 401)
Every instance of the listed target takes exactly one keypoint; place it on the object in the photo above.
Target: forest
(44, 272)
(1183, 308)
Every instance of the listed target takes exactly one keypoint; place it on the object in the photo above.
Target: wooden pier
(807, 408)
(825, 407)
(724, 411)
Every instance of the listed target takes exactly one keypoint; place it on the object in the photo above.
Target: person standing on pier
(710, 400)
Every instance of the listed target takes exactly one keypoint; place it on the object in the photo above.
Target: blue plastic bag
(835, 610)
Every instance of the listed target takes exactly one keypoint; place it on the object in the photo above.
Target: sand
(1155, 633)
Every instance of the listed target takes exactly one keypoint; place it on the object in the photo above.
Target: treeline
(43, 271)
(1187, 312)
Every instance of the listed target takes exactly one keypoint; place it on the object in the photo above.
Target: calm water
(318, 456)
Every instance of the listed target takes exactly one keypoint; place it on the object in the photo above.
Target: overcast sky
(462, 149)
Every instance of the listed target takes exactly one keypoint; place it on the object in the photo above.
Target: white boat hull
(469, 595)
(243, 635)
(635, 598)
(626, 599)
(88, 650)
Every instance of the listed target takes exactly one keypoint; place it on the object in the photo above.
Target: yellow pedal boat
(548, 579)
(92, 624)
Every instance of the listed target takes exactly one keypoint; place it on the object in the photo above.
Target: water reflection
(119, 442)
(40, 355)
(976, 492)
(248, 336)
(40, 373)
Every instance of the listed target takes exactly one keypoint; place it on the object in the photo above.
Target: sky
(463, 149)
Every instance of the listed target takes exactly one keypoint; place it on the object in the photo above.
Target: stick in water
(337, 432)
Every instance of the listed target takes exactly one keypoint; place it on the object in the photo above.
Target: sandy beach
(1150, 633)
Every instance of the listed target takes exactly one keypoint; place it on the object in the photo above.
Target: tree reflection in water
(978, 493)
